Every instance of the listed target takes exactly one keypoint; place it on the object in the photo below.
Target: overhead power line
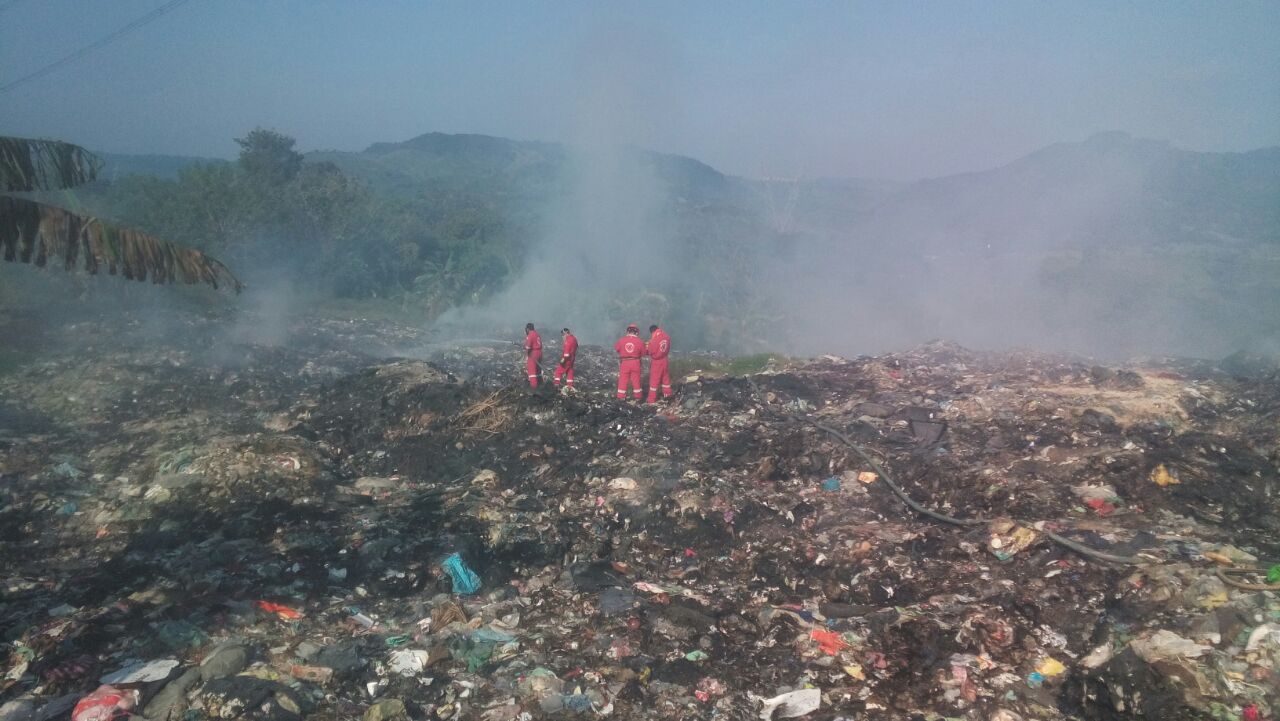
(101, 42)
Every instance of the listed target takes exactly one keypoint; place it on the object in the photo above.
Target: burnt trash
(271, 539)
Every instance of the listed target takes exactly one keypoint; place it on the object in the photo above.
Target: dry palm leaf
(27, 165)
(32, 232)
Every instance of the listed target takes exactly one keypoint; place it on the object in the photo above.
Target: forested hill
(1113, 243)
(516, 168)
(1109, 188)
(472, 163)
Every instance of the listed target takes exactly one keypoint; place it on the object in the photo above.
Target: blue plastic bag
(465, 581)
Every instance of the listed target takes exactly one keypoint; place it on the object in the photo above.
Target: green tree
(323, 201)
(268, 157)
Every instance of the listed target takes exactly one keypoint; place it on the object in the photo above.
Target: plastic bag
(1164, 645)
(409, 661)
(792, 705)
(104, 704)
(465, 581)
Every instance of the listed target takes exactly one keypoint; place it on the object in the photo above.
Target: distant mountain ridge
(1113, 244)
(1238, 194)
(490, 164)
(1094, 190)
(1177, 192)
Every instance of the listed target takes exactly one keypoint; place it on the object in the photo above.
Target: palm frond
(27, 165)
(32, 232)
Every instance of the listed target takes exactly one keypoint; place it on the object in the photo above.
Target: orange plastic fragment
(829, 641)
(282, 611)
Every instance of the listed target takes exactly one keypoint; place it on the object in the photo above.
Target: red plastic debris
(104, 704)
(829, 641)
(282, 611)
(1101, 507)
(709, 687)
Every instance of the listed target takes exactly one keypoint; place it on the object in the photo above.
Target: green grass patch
(736, 366)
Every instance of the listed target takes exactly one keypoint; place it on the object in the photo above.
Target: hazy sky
(888, 89)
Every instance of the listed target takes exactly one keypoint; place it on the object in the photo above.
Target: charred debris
(310, 531)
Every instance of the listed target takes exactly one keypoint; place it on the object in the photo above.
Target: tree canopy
(268, 157)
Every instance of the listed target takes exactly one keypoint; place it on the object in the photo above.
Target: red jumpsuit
(567, 356)
(630, 348)
(533, 357)
(657, 349)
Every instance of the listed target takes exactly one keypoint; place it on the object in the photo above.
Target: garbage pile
(190, 537)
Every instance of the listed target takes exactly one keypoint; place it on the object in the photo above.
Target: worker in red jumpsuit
(630, 349)
(657, 348)
(568, 354)
(532, 355)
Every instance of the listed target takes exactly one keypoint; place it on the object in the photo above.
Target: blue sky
(893, 89)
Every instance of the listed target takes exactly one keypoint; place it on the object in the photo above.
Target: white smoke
(605, 236)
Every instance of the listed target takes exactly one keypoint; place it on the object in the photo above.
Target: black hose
(897, 490)
(944, 518)
(901, 494)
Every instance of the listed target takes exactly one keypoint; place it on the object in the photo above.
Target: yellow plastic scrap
(1162, 477)
(1009, 539)
(1022, 538)
(1050, 667)
(855, 671)
(1214, 600)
